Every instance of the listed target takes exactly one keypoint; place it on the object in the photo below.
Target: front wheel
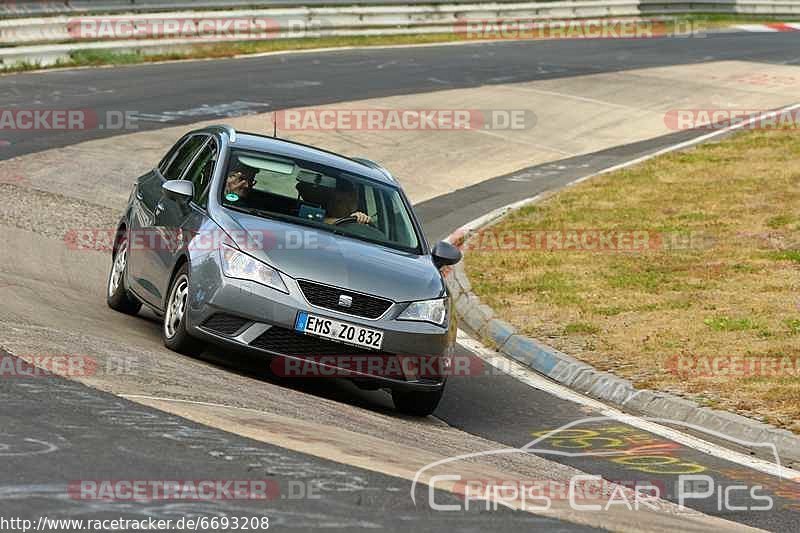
(173, 331)
(117, 295)
(416, 403)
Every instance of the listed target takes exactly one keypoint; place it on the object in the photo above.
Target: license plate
(339, 331)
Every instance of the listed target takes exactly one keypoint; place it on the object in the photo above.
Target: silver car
(311, 258)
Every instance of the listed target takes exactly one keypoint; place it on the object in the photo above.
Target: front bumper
(250, 317)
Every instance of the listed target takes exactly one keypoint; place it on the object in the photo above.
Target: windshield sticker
(232, 197)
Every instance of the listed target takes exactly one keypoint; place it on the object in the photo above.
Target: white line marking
(431, 420)
(511, 138)
(574, 97)
(693, 142)
(757, 28)
(191, 402)
(537, 381)
(523, 142)
(500, 211)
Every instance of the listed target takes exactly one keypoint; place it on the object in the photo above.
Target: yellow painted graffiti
(644, 453)
(659, 464)
(580, 439)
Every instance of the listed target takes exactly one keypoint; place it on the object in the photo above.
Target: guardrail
(410, 18)
(732, 7)
(25, 8)
(48, 39)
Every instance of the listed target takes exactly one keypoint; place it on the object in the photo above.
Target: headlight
(434, 311)
(237, 265)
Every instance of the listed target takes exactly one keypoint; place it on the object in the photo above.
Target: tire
(416, 403)
(118, 296)
(173, 330)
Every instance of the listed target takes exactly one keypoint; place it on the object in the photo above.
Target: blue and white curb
(480, 320)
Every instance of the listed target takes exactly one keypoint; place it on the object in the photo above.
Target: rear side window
(184, 156)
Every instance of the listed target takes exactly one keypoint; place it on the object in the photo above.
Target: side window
(183, 157)
(201, 171)
(162, 165)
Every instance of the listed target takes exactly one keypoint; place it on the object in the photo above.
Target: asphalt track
(281, 80)
(90, 431)
(497, 407)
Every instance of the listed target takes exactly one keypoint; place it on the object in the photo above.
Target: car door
(146, 224)
(180, 221)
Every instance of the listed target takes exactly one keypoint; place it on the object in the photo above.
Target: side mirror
(445, 254)
(180, 190)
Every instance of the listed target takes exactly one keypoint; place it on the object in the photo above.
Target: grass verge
(83, 58)
(706, 307)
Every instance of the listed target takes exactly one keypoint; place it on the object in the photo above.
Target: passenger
(241, 181)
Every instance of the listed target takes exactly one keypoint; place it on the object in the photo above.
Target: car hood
(307, 253)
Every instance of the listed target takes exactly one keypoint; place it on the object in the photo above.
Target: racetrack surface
(55, 305)
(292, 80)
(98, 434)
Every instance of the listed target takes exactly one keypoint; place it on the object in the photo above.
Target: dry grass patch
(719, 282)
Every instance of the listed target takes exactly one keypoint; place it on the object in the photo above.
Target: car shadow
(256, 366)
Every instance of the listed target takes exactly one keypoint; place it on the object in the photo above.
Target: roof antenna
(274, 126)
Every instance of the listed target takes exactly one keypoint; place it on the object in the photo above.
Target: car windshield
(319, 196)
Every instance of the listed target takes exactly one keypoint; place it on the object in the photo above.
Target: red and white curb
(771, 27)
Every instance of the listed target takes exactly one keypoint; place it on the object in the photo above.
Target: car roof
(284, 147)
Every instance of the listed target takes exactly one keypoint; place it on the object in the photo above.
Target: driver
(344, 204)
(241, 181)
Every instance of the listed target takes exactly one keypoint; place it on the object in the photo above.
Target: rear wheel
(416, 403)
(117, 295)
(173, 332)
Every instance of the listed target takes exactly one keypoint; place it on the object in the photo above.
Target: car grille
(328, 297)
(225, 324)
(287, 342)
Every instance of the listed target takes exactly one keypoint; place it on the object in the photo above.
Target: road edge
(582, 377)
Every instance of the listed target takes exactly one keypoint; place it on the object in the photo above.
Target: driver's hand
(361, 218)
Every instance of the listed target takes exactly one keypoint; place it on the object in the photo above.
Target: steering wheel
(354, 220)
